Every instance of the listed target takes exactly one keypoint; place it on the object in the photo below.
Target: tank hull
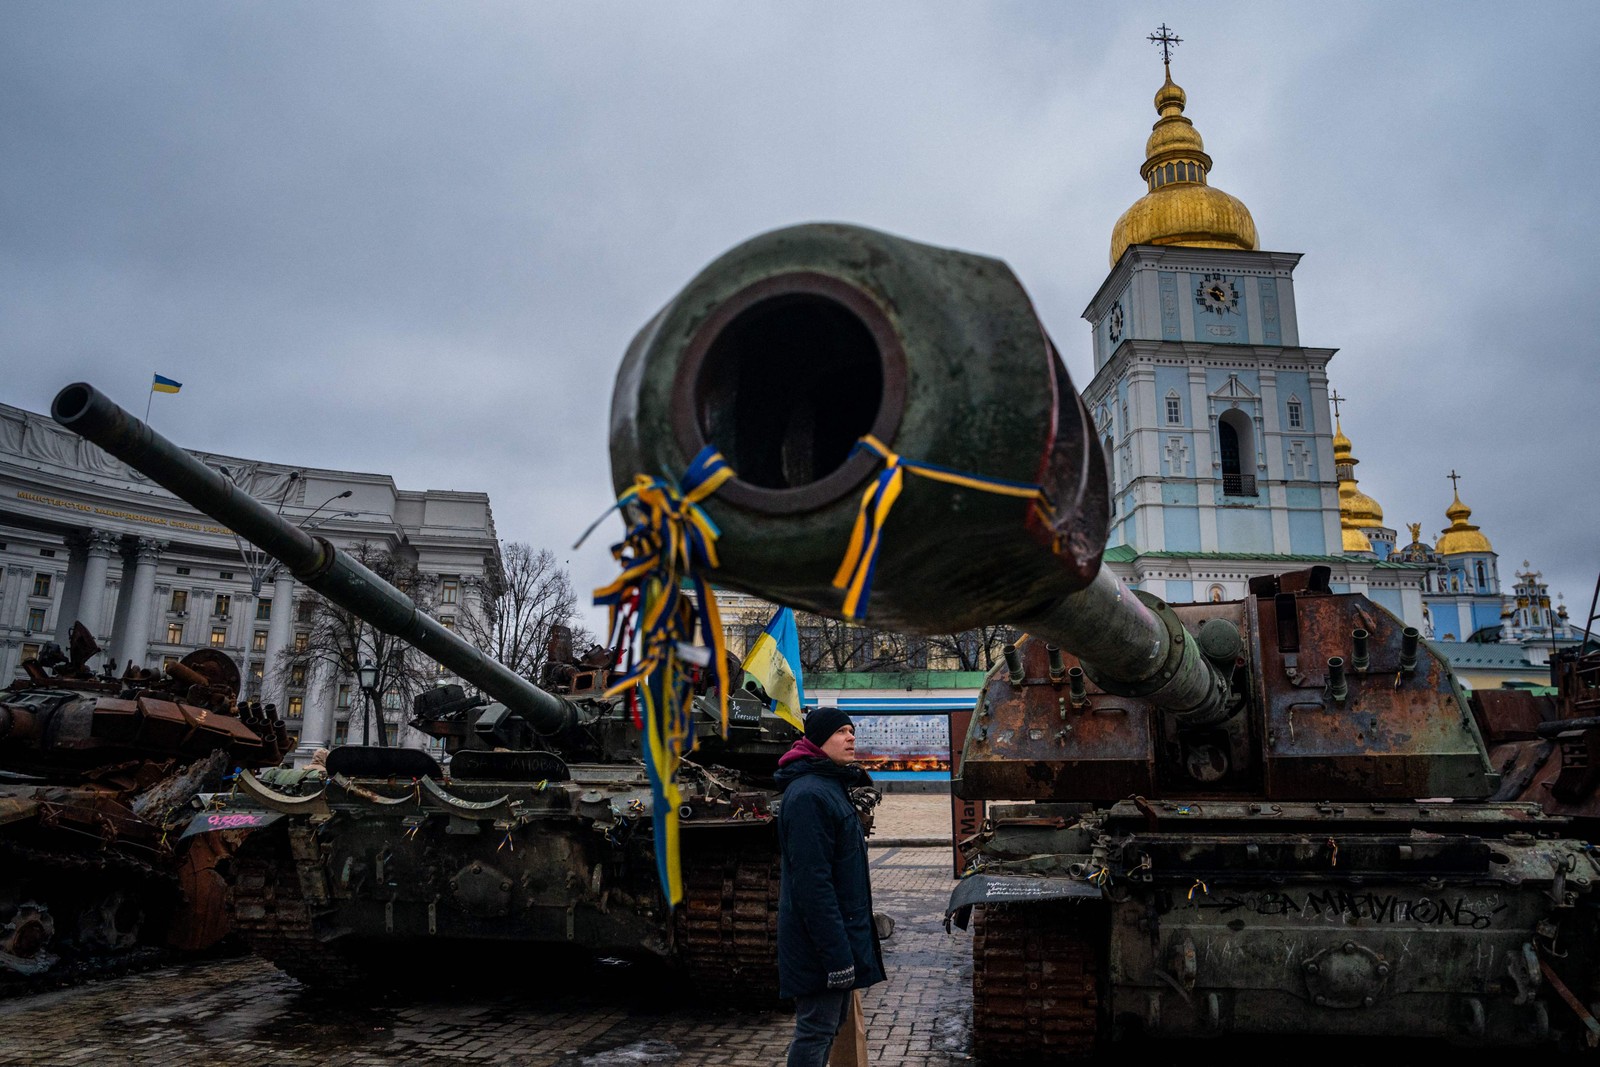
(1178, 919)
(365, 871)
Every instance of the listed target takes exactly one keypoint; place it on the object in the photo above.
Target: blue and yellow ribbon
(669, 539)
(861, 556)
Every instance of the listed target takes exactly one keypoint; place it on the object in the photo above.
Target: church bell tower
(1213, 416)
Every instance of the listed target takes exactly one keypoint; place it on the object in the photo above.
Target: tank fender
(267, 797)
(995, 889)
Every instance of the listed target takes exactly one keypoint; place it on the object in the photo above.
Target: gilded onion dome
(1180, 208)
(1461, 536)
(1358, 512)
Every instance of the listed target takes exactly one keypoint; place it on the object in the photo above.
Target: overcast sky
(416, 238)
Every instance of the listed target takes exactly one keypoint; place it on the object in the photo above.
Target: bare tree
(828, 645)
(531, 595)
(342, 641)
(972, 650)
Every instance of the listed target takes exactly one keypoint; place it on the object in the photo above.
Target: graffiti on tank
(1343, 905)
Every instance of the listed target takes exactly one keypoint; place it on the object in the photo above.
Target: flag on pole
(774, 660)
(164, 385)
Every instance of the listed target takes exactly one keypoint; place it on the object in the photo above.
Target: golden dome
(1357, 510)
(1180, 208)
(1354, 540)
(1461, 536)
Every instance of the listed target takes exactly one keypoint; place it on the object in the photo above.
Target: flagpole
(148, 399)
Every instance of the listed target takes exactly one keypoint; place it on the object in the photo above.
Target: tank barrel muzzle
(341, 578)
(803, 356)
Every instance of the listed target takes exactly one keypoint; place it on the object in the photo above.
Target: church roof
(1181, 208)
(1461, 536)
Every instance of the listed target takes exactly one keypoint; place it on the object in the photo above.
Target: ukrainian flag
(774, 661)
(165, 385)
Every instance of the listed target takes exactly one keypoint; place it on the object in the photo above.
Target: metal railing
(1239, 485)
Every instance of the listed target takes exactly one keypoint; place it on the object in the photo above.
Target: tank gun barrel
(795, 346)
(312, 559)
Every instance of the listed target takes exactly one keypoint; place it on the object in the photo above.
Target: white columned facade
(272, 674)
(133, 643)
(72, 587)
(316, 728)
(96, 572)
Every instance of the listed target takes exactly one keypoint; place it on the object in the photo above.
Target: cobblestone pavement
(244, 1013)
(913, 815)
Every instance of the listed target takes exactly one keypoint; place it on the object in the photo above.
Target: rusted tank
(1546, 746)
(536, 833)
(1266, 816)
(99, 775)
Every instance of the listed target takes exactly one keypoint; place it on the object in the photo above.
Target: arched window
(1236, 446)
(1111, 470)
(1483, 582)
(1296, 413)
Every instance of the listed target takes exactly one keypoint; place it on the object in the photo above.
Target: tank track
(727, 926)
(111, 869)
(1035, 982)
(268, 909)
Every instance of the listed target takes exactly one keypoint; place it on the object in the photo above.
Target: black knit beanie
(822, 723)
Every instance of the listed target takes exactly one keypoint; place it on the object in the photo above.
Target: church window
(1296, 420)
(1235, 447)
(1174, 409)
(1483, 582)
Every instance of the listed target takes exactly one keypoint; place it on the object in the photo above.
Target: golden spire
(1460, 536)
(1180, 207)
(1358, 512)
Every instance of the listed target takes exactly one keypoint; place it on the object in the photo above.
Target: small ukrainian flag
(774, 661)
(165, 385)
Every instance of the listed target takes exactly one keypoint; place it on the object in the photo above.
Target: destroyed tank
(99, 775)
(1264, 816)
(538, 834)
(1546, 746)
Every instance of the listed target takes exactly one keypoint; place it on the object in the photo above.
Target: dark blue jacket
(826, 937)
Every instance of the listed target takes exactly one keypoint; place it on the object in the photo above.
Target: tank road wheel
(727, 926)
(25, 939)
(1035, 982)
(111, 922)
(269, 910)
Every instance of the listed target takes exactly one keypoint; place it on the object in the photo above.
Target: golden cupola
(1460, 536)
(1180, 208)
(1358, 512)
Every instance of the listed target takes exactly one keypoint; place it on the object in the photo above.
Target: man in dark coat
(827, 944)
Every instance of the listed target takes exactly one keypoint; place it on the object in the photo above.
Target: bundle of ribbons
(670, 541)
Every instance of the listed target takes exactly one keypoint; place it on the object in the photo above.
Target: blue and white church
(1222, 453)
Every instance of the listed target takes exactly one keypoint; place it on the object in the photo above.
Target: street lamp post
(369, 695)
